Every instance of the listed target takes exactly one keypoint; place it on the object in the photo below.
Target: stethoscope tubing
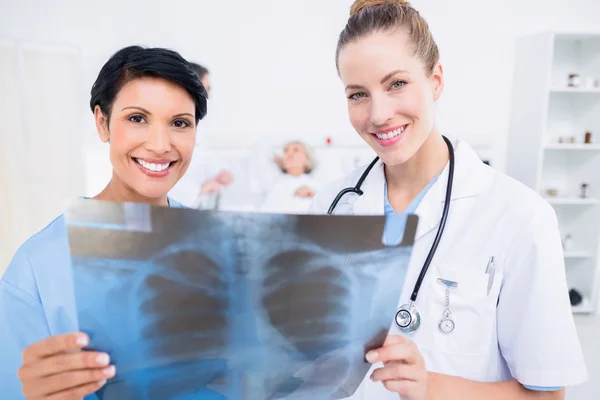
(448, 197)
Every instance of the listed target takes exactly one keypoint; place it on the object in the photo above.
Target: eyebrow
(137, 108)
(385, 78)
(183, 115)
(149, 113)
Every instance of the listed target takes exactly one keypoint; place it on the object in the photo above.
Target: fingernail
(110, 371)
(371, 377)
(82, 340)
(102, 382)
(103, 359)
(372, 356)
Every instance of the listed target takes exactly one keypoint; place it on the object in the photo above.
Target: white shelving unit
(546, 145)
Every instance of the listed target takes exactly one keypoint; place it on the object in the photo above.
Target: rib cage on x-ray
(246, 306)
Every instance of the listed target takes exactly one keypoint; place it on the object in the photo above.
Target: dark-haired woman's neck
(118, 192)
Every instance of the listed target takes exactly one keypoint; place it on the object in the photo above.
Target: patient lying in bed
(293, 191)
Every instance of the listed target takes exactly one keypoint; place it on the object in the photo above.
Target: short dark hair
(135, 62)
(200, 70)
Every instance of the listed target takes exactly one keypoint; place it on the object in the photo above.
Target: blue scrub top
(36, 300)
(396, 222)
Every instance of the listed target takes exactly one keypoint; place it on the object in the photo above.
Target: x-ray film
(194, 304)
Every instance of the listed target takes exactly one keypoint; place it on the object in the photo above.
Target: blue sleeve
(22, 322)
(543, 388)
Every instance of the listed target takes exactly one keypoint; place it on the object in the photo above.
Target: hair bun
(360, 5)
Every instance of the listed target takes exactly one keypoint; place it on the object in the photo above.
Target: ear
(101, 124)
(437, 78)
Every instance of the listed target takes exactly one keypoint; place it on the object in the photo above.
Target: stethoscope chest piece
(408, 318)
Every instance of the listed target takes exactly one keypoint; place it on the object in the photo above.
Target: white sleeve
(315, 206)
(186, 192)
(536, 330)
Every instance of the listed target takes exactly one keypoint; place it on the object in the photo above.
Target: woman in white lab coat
(509, 332)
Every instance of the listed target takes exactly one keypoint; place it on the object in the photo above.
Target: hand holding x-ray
(403, 370)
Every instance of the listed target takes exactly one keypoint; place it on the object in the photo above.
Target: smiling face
(152, 132)
(390, 94)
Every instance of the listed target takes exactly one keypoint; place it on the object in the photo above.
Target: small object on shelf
(568, 242)
(589, 82)
(592, 82)
(584, 191)
(561, 139)
(551, 192)
(574, 80)
(328, 141)
(572, 139)
(588, 137)
(575, 297)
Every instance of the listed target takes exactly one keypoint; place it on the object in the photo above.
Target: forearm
(444, 387)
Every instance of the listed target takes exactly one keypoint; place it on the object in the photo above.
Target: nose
(382, 110)
(159, 140)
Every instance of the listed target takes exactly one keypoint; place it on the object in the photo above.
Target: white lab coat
(524, 329)
(203, 166)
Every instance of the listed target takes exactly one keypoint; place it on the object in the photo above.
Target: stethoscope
(408, 317)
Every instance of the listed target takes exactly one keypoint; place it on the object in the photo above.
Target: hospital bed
(254, 170)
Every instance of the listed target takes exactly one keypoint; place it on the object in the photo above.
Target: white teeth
(389, 135)
(151, 166)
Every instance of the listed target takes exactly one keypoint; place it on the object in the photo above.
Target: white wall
(40, 139)
(272, 62)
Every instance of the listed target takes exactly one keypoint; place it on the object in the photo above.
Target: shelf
(571, 201)
(583, 308)
(567, 89)
(577, 254)
(573, 146)
(546, 114)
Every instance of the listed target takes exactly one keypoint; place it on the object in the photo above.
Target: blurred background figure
(204, 76)
(205, 175)
(294, 188)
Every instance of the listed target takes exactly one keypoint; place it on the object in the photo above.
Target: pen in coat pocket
(491, 271)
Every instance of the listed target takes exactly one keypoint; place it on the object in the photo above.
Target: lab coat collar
(469, 181)
(372, 201)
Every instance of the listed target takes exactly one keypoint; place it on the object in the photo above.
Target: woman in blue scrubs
(146, 104)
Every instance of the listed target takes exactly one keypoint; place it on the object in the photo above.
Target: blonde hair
(310, 158)
(368, 16)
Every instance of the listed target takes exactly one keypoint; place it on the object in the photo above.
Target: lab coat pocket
(472, 310)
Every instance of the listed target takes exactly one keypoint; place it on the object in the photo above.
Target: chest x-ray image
(197, 304)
